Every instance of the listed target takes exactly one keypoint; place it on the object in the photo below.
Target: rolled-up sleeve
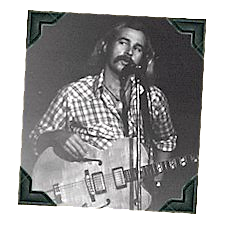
(53, 119)
(165, 136)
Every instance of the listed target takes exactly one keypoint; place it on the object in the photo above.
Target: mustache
(124, 58)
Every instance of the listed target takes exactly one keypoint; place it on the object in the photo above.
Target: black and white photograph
(112, 110)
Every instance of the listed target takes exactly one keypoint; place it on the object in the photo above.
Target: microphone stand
(132, 68)
(138, 143)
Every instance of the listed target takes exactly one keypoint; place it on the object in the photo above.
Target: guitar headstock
(172, 164)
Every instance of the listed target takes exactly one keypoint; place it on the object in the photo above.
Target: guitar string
(70, 194)
(70, 198)
(109, 177)
(106, 177)
(108, 184)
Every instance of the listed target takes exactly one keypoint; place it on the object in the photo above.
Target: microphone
(131, 68)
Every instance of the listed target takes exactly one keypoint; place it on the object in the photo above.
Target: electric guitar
(103, 178)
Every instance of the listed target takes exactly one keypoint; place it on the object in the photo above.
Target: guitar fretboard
(159, 167)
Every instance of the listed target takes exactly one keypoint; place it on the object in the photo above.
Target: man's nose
(129, 51)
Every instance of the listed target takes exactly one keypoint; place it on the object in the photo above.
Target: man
(101, 108)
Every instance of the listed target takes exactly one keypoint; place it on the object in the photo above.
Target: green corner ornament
(35, 22)
(29, 197)
(187, 203)
(195, 28)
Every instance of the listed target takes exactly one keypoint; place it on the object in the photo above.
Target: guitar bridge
(89, 185)
(57, 193)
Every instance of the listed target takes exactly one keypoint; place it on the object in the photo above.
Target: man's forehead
(132, 34)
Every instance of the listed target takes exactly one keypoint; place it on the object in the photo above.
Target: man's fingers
(71, 153)
(75, 147)
(77, 140)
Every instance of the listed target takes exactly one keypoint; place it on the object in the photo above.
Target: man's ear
(104, 46)
(101, 47)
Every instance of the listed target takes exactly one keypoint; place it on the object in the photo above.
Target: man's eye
(138, 49)
(123, 42)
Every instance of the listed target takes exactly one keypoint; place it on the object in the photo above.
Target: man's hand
(70, 143)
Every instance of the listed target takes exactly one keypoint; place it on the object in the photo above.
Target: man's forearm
(46, 140)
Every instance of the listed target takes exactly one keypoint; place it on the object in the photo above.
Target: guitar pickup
(119, 179)
(99, 182)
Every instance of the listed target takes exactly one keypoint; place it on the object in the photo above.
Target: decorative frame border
(178, 24)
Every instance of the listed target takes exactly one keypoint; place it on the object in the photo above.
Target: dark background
(60, 56)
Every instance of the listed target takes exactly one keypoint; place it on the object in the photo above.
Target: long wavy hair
(98, 56)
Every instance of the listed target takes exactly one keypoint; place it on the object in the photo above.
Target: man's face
(128, 45)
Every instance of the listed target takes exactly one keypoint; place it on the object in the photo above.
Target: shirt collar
(98, 84)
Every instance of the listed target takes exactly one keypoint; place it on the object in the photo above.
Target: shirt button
(120, 105)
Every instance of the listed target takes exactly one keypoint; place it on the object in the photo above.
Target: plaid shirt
(87, 108)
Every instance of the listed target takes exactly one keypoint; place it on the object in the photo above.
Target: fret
(129, 172)
(177, 161)
(159, 167)
(146, 170)
(154, 169)
(133, 174)
(127, 175)
(150, 170)
(165, 165)
(172, 163)
(130, 175)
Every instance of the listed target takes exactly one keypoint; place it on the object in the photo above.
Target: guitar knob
(135, 202)
(158, 184)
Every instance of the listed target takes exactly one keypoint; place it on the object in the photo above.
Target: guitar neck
(160, 167)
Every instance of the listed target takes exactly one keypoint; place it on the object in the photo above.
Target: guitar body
(98, 182)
